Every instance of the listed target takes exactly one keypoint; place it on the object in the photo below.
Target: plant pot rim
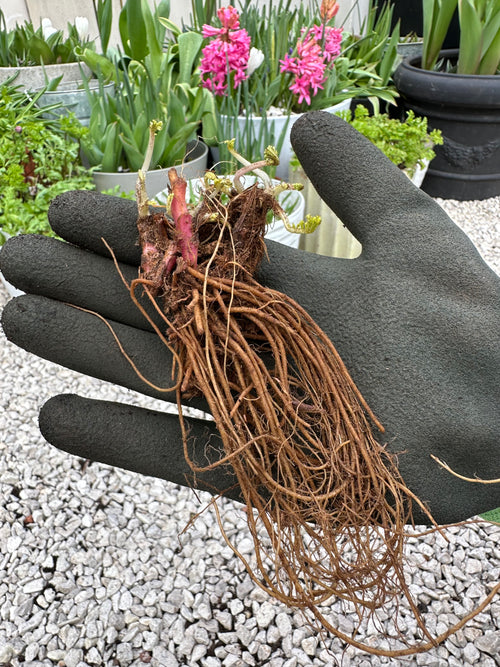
(446, 88)
(413, 63)
(69, 87)
(196, 149)
(34, 76)
(292, 114)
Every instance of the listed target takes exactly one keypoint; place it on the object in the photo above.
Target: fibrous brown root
(296, 431)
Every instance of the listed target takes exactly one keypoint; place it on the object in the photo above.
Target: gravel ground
(94, 569)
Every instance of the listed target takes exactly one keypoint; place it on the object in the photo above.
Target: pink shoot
(187, 243)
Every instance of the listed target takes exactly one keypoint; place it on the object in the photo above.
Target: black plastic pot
(409, 13)
(466, 108)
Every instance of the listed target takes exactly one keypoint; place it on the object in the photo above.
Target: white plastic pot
(156, 179)
(276, 126)
(292, 201)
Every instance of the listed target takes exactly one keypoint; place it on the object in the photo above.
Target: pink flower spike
(227, 53)
(229, 17)
(313, 55)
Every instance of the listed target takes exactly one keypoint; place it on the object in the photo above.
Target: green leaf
(154, 46)
(100, 65)
(104, 15)
(469, 54)
(133, 30)
(170, 25)
(141, 131)
(437, 16)
(490, 57)
(110, 157)
(40, 51)
(189, 49)
(134, 157)
(386, 67)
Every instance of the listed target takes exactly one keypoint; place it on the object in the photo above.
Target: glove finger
(82, 342)
(144, 441)
(64, 272)
(84, 218)
(370, 194)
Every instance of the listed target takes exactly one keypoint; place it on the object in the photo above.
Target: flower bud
(328, 9)
(47, 28)
(82, 27)
(255, 60)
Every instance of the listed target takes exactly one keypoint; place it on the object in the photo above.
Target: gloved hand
(416, 319)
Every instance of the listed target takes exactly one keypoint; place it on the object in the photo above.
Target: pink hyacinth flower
(313, 55)
(228, 53)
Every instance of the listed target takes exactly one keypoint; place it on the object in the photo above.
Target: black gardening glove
(416, 319)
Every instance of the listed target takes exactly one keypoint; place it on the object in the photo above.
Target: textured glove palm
(416, 319)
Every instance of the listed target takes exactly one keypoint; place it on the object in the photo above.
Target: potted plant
(257, 84)
(39, 158)
(268, 65)
(368, 60)
(151, 82)
(408, 144)
(410, 45)
(459, 92)
(38, 56)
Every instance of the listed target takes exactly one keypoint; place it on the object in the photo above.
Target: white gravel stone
(164, 658)
(34, 586)
(73, 657)
(489, 643)
(56, 655)
(265, 614)
(471, 653)
(309, 645)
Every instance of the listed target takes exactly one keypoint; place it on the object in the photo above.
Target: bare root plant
(295, 430)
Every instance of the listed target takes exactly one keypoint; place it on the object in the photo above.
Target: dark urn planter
(466, 108)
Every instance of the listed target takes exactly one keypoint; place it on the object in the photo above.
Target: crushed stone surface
(95, 568)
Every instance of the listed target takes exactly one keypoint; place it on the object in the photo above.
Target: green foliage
(367, 61)
(408, 144)
(25, 46)
(39, 159)
(202, 12)
(153, 79)
(479, 48)
(363, 69)
(103, 10)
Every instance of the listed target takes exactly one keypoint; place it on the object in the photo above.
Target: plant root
(326, 505)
